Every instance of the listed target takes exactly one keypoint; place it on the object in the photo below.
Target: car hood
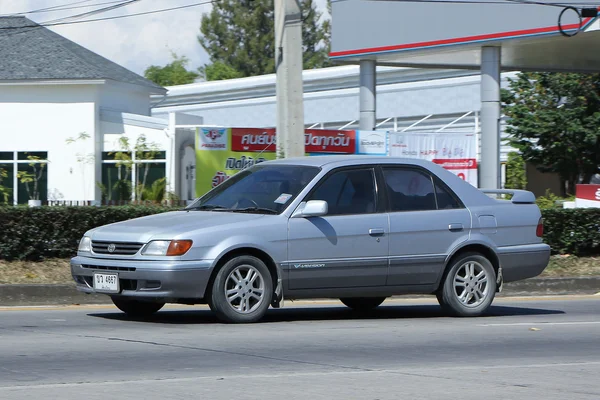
(169, 225)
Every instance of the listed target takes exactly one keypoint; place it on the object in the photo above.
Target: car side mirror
(312, 208)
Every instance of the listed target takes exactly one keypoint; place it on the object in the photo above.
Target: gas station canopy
(541, 36)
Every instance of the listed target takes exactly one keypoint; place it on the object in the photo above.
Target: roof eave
(32, 82)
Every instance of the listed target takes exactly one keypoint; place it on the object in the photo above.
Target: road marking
(544, 323)
(403, 371)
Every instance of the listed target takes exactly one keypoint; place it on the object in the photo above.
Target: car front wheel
(469, 286)
(136, 308)
(362, 303)
(242, 290)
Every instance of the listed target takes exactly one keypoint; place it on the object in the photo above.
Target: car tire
(469, 286)
(362, 303)
(241, 291)
(136, 308)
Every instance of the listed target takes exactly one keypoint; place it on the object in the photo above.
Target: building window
(133, 175)
(29, 171)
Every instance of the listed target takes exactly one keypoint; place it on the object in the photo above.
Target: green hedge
(573, 231)
(54, 232)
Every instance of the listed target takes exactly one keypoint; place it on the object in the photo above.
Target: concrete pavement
(534, 348)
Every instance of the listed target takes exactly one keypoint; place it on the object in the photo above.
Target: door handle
(455, 227)
(376, 231)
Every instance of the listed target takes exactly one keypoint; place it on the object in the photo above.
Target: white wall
(41, 118)
(333, 105)
(125, 98)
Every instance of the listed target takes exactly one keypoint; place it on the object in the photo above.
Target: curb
(32, 295)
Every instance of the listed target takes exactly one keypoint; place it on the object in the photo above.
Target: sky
(135, 42)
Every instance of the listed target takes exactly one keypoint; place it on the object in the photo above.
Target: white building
(53, 90)
(409, 100)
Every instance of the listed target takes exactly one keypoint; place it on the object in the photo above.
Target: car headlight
(167, 248)
(85, 244)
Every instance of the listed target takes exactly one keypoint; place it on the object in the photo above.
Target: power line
(50, 9)
(122, 3)
(51, 23)
(64, 7)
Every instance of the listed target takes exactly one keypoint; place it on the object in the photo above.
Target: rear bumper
(522, 262)
(152, 280)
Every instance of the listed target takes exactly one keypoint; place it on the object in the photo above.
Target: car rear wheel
(136, 308)
(242, 290)
(362, 303)
(469, 286)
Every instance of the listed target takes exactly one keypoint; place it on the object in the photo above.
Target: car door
(348, 247)
(426, 222)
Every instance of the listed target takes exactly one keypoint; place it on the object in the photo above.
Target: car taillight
(540, 228)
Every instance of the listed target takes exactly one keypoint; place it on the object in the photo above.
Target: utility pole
(490, 117)
(289, 88)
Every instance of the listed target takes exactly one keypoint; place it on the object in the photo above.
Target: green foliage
(554, 120)
(4, 191)
(218, 71)
(33, 176)
(573, 231)
(550, 200)
(88, 158)
(171, 74)
(515, 172)
(239, 37)
(54, 232)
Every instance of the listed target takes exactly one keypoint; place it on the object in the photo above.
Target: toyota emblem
(111, 248)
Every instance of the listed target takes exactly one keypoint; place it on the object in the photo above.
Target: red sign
(458, 163)
(329, 141)
(588, 192)
(253, 139)
(315, 140)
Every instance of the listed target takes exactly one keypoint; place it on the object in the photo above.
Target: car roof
(469, 194)
(341, 160)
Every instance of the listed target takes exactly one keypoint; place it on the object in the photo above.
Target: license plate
(106, 283)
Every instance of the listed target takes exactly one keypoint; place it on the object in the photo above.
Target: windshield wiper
(255, 209)
(210, 207)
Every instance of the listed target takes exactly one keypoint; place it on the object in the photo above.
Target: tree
(554, 120)
(171, 74)
(218, 71)
(515, 171)
(4, 191)
(239, 36)
(26, 177)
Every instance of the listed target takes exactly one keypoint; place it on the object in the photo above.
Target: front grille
(105, 268)
(118, 248)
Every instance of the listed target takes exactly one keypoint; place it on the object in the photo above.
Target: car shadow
(323, 313)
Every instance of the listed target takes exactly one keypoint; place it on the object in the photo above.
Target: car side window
(445, 200)
(348, 192)
(409, 190)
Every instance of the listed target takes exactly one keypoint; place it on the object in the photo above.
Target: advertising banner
(373, 143)
(222, 152)
(456, 152)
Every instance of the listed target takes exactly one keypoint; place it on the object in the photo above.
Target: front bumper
(153, 280)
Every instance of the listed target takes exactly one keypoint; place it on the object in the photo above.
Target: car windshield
(261, 188)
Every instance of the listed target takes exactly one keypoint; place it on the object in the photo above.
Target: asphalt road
(525, 349)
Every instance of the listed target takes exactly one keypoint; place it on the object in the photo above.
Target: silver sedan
(356, 228)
